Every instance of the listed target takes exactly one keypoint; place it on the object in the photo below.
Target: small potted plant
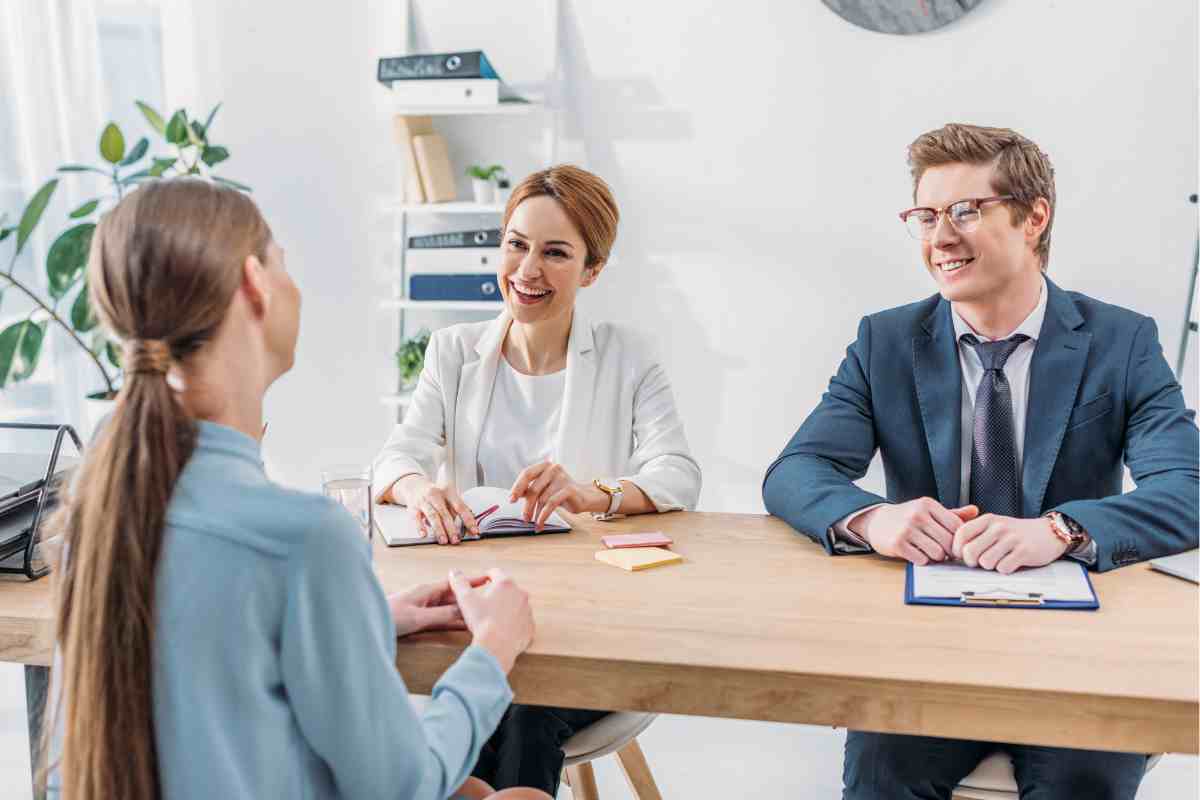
(410, 358)
(503, 187)
(481, 182)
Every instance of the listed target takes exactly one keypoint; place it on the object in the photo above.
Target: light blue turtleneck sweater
(275, 651)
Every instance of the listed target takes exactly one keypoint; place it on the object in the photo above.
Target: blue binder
(434, 286)
(1032, 601)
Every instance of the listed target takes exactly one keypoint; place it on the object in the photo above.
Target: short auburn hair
(1020, 168)
(585, 197)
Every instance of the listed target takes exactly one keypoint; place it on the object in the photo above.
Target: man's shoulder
(1102, 318)
(909, 318)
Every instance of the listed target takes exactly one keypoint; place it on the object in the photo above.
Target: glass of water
(350, 485)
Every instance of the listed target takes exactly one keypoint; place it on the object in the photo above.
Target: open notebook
(496, 517)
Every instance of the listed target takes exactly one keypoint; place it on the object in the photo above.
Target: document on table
(1060, 582)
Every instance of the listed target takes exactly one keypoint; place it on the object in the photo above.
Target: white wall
(757, 151)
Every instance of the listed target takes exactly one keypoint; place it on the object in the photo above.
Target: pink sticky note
(617, 541)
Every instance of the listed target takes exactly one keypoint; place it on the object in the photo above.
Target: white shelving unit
(406, 216)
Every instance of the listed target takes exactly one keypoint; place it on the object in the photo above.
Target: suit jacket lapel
(1054, 376)
(475, 384)
(577, 399)
(938, 379)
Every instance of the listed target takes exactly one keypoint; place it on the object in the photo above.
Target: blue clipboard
(1035, 602)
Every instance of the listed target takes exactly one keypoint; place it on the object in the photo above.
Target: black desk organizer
(28, 541)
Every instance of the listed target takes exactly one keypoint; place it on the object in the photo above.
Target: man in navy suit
(1003, 407)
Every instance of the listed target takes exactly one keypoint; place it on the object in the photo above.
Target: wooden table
(758, 623)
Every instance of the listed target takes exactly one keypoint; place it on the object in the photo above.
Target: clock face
(904, 17)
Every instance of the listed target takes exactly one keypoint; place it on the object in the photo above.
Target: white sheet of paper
(1060, 580)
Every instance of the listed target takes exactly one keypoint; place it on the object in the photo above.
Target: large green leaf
(161, 165)
(33, 213)
(153, 117)
(82, 318)
(214, 155)
(85, 209)
(112, 143)
(20, 346)
(195, 134)
(232, 183)
(67, 259)
(177, 128)
(82, 168)
(136, 153)
(113, 352)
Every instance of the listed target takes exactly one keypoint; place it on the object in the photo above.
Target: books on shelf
(433, 165)
(405, 128)
(444, 260)
(483, 237)
(445, 79)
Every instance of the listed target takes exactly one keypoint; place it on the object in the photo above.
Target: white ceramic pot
(502, 195)
(93, 412)
(485, 191)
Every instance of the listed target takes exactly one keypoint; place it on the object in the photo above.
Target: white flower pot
(94, 411)
(485, 191)
(502, 195)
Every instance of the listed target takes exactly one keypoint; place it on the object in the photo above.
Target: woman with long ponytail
(218, 635)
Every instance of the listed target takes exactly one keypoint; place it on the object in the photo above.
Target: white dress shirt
(1016, 370)
(521, 426)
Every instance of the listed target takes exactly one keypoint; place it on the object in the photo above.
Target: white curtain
(51, 100)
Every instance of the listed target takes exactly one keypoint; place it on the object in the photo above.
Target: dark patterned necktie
(995, 482)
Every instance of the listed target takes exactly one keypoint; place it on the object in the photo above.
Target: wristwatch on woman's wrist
(612, 488)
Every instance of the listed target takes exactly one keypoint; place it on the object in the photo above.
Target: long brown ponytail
(163, 269)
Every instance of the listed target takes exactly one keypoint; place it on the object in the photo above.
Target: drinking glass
(350, 485)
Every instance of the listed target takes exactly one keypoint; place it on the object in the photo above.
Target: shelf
(470, 110)
(456, 207)
(442, 305)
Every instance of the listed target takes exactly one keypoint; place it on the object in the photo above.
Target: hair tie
(146, 356)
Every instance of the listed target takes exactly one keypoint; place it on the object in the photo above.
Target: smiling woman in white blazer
(566, 411)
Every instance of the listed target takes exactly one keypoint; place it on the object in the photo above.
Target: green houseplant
(185, 149)
(410, 358)
(481, 181)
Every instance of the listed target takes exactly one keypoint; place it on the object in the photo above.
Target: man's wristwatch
(612, 488)
(1067, 530)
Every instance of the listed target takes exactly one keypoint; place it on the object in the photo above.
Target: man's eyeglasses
(964, 216)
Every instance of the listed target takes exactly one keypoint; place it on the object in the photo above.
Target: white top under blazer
(618, 417)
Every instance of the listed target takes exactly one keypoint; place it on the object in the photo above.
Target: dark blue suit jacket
(1099, 391)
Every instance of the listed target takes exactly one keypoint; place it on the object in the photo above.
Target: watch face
(904, 17)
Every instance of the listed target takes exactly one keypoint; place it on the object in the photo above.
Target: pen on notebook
(485, 512)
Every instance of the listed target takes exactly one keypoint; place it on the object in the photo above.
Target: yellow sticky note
(637, 558)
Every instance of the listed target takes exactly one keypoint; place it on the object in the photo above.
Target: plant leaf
(33, 212)
(232, 183)
(113, 352)
(140, 175)
(85, 209)
(5, 233)
(112, 143)
(82, 318)
(67, 259)
(153, 117)
(196, 134)
(82, 168)
(211, 114)
(20, 346)
(161, 165)
(136, 153)
(177, 128)
(214, 155)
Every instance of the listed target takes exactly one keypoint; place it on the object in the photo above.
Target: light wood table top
(758, 623)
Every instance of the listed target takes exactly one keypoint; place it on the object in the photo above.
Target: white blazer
(618, 418)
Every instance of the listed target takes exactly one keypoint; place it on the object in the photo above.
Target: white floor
(692, 757)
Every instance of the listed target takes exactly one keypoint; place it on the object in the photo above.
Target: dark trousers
(526, 749)
(883, 765)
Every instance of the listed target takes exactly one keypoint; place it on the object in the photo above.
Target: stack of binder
(445, 79)
(454, 266)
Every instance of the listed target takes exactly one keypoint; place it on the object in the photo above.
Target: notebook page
(1060, 580)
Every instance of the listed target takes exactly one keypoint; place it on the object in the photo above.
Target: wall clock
(904, 17)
